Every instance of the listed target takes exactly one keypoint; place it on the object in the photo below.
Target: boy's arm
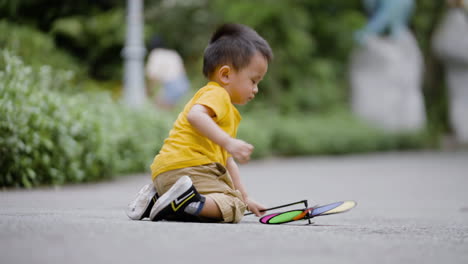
(200, 117)
(233, 169)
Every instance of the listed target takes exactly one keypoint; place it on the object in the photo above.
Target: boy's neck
(216, 80)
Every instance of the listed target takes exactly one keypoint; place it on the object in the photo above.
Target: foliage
(26, 11)
(35, 48)
(338, 133)
(333, 133)
(90, 30)
(49, 137)
(425, 20)
(103, 32)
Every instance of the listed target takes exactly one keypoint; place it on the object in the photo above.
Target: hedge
(50, 137)
(335, 133)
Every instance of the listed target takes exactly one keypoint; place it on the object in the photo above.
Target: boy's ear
(224, 73)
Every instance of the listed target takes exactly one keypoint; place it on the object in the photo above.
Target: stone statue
(386, 69)
(450, 44)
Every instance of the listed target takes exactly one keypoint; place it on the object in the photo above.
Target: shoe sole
(181, 186)
(148, 201)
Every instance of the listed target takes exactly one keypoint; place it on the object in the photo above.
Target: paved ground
(412, 208)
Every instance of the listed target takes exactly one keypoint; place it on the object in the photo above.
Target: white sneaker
(141, 206)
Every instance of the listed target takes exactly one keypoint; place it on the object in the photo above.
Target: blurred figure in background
(165, 73)
(386, 69)
(386, 17)
(450, 44)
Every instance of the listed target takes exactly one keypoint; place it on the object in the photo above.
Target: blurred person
(195, 173)
(386, 17)
(385, 69)
(165, 68)
(450, 45)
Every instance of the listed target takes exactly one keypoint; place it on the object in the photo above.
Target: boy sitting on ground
(195, 173)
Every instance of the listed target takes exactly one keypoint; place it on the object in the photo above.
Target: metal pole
(133, 54)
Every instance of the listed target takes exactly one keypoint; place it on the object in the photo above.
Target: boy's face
(243, 84)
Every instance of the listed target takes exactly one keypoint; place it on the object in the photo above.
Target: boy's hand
(255, 207)
(240, 150)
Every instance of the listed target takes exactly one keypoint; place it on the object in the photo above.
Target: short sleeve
(217, 99)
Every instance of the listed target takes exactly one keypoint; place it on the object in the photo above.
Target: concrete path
(412, 208)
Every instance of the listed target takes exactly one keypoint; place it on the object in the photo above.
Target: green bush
(337, 132)
(258, 130)
(35, 48)
(103, 32)
(49, 137)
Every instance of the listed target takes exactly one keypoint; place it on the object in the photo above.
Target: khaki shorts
(211, 180)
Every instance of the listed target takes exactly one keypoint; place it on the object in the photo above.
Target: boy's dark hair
(234, 44)
(156, 42)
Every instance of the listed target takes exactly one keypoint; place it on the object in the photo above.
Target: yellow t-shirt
(185, 147)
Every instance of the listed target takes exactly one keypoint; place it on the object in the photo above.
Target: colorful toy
(304, 214)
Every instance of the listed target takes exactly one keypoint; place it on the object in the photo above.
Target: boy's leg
(231, 208)
(181, 202)
(213, 181)
(222, 202)
(211, 209)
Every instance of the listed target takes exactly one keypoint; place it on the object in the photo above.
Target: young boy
(195, 172)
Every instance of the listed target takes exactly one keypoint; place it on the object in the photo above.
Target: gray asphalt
(412, 208)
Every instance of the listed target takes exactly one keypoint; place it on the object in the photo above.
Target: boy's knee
(232, 208)
(238, 212)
